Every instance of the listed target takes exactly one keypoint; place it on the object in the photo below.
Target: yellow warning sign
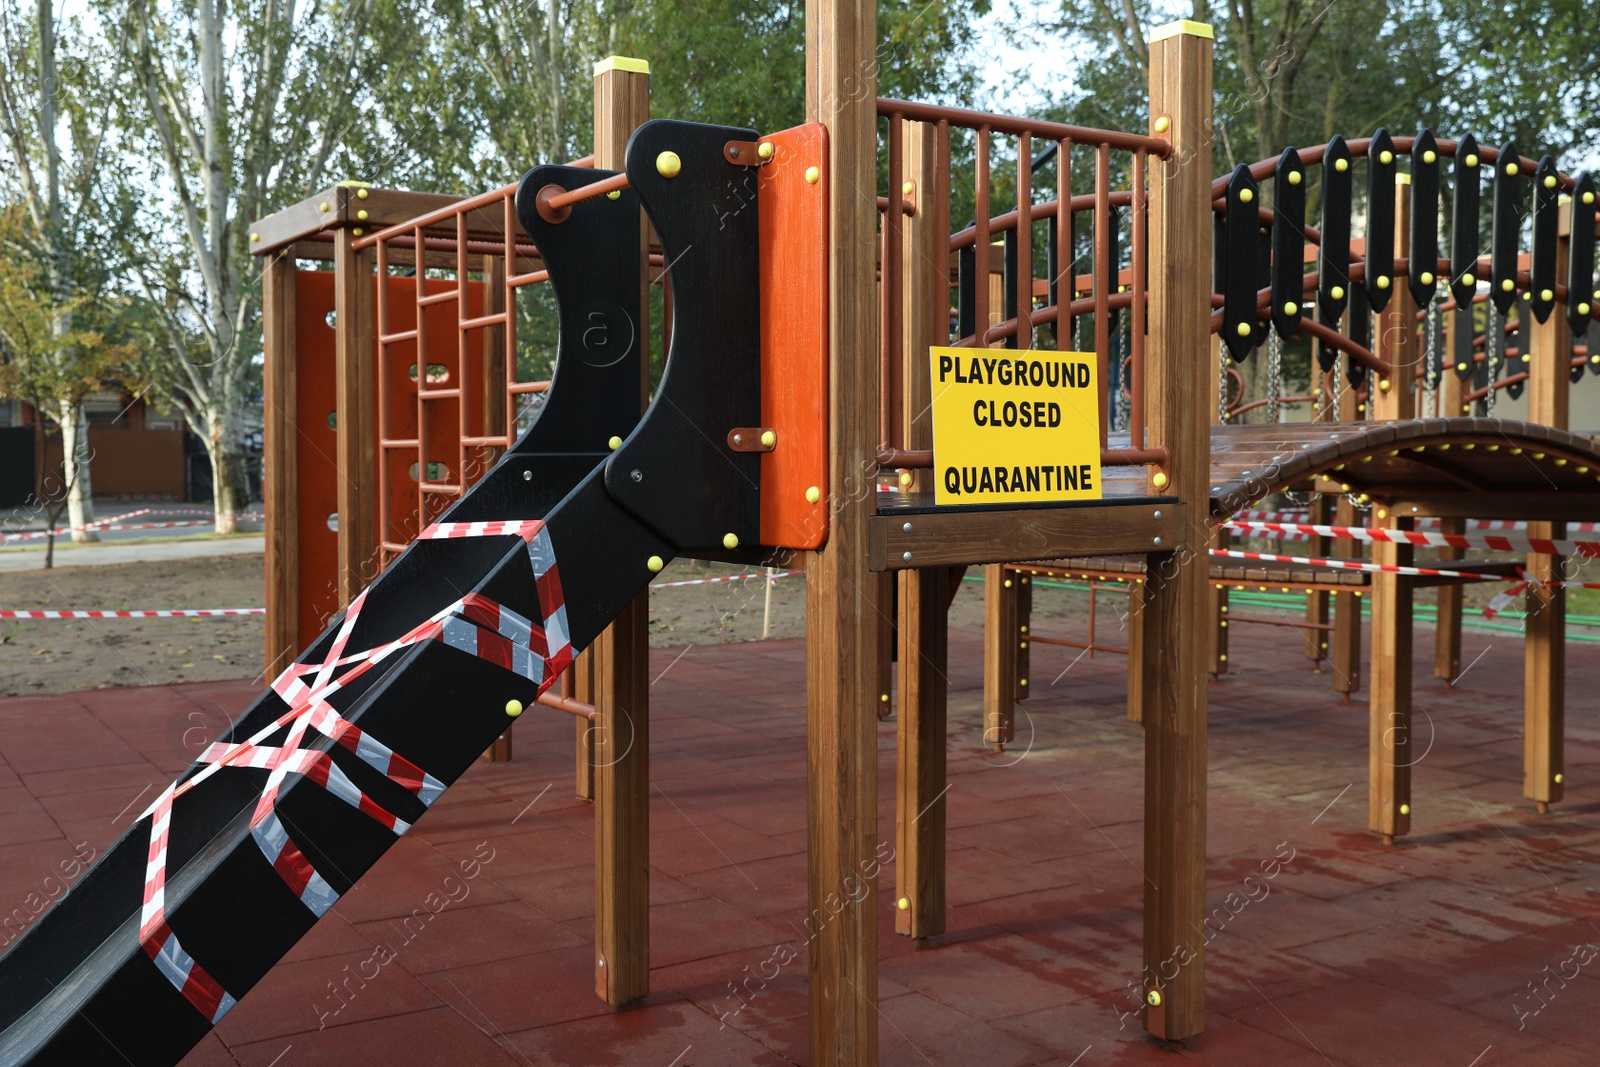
(1015, 426)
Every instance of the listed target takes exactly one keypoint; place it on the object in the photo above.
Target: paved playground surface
(1463, 945)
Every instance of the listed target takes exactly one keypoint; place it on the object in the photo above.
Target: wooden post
(1320, 514)
(1174, 617)
(843, 615)
(1135, 639)
(1447, 617)
(1389, 712)
(1346, 606)
(924, 594)
(1389, 722)
(281, 459)
(357, 431)
(583, 729)
(621, 654)
(1024, 620)
(1000, 624)
(1544, 647)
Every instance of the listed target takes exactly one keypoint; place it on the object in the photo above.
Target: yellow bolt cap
(1469, 278)
(1512, 168)
(1246, 195)
(1244, 329)
(1588, 198)
(812, 174)
(1559, 778)
(1386, 157)
(1341, 165)
(1291, 308)
(362, 214)
(1159, 479)
(907, 188)
(1405, 809)
(255, 237)
(1383, 281)
(654, 564)
(1163, 124)
(905, 478)
(358, 231)
(361, 194)
(1383, 383)
(764, 149)
(730, 540)
(1294, 177)
(1154, 996)
(513, 708)
(1426, 278)
(1507, 285)
(615, 194)
(322, 206)
(1549, 181)
(813, 495)
(1471, 160)
(768, 439)
(1337, 292)
(1547, 294)
(903, 904)
(615, 442)
(668, 165)
(1429, 156)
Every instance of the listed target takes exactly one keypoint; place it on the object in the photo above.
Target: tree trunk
(75, 457)
(227, 470)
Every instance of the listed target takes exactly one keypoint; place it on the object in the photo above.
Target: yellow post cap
(1182, 27)
(632, 66)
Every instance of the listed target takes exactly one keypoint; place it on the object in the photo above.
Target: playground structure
(766, 432)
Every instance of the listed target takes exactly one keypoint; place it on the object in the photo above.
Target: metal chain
(1222, 384)
(1124, 415)
(1430, 356)
(1274, 376)
(1494, 339)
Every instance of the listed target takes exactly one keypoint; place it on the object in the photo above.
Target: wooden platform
(1477, 468)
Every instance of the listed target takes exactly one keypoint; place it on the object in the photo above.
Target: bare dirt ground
(57, 655)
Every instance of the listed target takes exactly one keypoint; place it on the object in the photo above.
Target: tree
(243, 110)
(48, 368)
(55, 137)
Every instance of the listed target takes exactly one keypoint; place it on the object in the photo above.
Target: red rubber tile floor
(1466, 945)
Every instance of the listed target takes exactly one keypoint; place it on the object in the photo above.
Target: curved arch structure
(1482, 468)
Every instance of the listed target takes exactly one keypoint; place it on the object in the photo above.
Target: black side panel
(1288, 243)
(1464, 221)
(676, 471)
(1508, 212)
(1424, 218)
(1239, 324)
(1380, 279)
(1546, 209)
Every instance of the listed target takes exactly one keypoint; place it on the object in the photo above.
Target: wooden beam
(1135, 636)
(919, 869)
(1216, 594)
(843, 614)
(619, 746)
(1447, 617)
(1544, 644)
(1346, 606)
(1002, 535)
(1389, 750)
(280, 458)
(1175, 594)
(924, 594)
(583, 730)
(1316, 634)
(357, 431)
(1000, 641)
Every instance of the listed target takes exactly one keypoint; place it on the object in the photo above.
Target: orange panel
(794, 337)
(316, 474)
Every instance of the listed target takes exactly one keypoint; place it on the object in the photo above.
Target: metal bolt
(738, 438)
(1158, 513)
(636, 474)
(733, 151)
(527, 476)
(1156, 541)
(906, 556)
(906, 528)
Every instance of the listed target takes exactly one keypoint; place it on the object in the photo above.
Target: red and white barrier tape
(473, 623)
(1381, 568)
(116, 523)
(1495, 543)
(175, 613)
